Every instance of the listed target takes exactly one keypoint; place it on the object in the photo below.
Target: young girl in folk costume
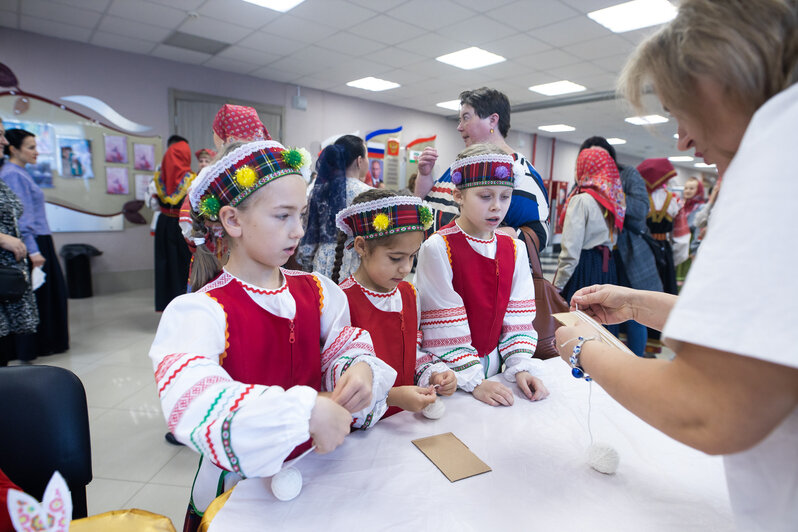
(239, 363)
(172, 256)
(388, 230)
(477, 294)
(666, 219)
(592, 218)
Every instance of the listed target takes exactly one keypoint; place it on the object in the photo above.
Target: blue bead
(578, 373)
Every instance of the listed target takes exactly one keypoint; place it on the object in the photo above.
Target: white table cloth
(378, 480)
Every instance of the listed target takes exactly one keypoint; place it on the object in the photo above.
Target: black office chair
(44, 427)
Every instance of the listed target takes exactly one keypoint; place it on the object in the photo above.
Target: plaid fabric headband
(241, 172)
(384, 216)
(483, 171)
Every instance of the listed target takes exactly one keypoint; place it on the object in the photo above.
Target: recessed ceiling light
(454, 105)
(646, 120)
(471, 58)
(676, 136)
(634, 15)
(558, 87)
(557, 128)
(705, 165)
(372, 84)
(277, 5)
(616, 140)
(680, 159)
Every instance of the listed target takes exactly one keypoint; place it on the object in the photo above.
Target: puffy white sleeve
(343, 346)
(426, 364)
(444, 323)
(519, 339)
(246, 428)
(573, 238)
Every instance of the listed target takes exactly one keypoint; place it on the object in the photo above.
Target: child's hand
(531, 386)
(446, 381)
(411, 398)
(493, 393)
(329, 424)
(353, 391)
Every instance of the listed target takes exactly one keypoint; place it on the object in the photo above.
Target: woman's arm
(609, 304)
(714, 401)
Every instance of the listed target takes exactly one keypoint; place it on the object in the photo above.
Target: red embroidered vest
(484, 285)
(393, 333)
(266, 349)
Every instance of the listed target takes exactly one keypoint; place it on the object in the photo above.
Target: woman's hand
(565, 338)
(531, 386)
(411, 398)
(606, 303)
(493, 393)
(329, 424)
(446, 382)
(38, 260)
(353, 390)
(14, 245)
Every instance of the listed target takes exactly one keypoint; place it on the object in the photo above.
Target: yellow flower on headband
(245, 177)
(381, 222)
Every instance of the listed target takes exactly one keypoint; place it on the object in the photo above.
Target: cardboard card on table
(570, 319)
(451, 456)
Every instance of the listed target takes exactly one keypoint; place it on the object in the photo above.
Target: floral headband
(483, 171)
(241, 172)
(384, 216)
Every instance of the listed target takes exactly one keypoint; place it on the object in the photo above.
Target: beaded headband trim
(483, 171)
(384, 217)
(230, 180)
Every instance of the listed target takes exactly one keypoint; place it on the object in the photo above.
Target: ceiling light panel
(680, 159)
(372, 84)
(471, 58)
(615, 141)
(453, 105)
(558, 87)
(634, 15)
(646, 120)
(277, 5)
(557, 128)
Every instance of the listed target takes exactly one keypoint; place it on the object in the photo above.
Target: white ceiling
(325, 43)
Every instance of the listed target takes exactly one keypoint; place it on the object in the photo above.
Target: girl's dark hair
(487, 101)
(329, 191)
(601, 142)
(363, 197)
(15, 137)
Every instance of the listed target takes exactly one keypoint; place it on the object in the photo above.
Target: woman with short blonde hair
(726, 70)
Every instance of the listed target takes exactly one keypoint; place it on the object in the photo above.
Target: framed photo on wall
(116, 180)
(144, 157)
(75, 159)
(116, 149)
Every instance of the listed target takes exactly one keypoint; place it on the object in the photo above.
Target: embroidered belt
(661, 236)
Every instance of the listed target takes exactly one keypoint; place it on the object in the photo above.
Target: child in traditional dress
(477, 295)
(239, 363)
(388, 230)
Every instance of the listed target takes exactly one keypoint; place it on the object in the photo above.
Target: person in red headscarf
(694, 200)
(237, 122)
(666, 220)
(172, 255)
(593, 218)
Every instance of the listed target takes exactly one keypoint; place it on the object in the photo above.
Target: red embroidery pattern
(166, 363)
(219, 282)
(332, 352)
(252, 289)
(178, 370)
(442, 313)
(192, 393)
(522, 327)
(491, 241)
(349, 282)
(447, 342)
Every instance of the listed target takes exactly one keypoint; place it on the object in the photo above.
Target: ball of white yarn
(287, 484)
(603, 458)
(434, 410)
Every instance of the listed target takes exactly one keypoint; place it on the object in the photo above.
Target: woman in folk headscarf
(694, 201)
(237, 123)
(172, 255)
(666, 219)
(594, 214)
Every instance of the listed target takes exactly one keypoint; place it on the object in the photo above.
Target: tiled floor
(133, 465)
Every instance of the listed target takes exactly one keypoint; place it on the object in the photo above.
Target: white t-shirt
(740, 297)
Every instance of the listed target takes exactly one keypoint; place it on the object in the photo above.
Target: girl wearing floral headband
(477, 295)
(241, 361)
(388, 229)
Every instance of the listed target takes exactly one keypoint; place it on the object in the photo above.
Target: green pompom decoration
(209, 206)
(292, 158)
(425, 216)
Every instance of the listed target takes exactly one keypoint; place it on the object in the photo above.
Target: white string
(589, 397)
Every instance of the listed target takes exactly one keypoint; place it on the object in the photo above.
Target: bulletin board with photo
(83, 165)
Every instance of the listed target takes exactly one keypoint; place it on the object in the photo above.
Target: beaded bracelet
(576, 367)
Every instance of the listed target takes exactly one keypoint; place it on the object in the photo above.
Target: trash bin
(78, 268)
